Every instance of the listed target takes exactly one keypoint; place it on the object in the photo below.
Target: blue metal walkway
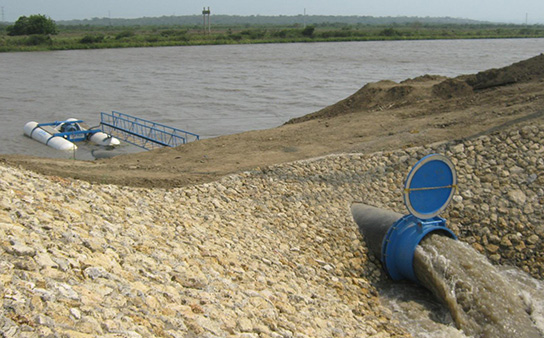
(143, 133)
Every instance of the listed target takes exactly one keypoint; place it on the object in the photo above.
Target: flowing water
(219, 90)
(483, 300)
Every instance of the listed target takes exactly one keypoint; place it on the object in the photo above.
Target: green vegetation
(106, 33)
(34, 24)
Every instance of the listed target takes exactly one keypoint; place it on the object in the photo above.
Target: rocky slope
(271, 252)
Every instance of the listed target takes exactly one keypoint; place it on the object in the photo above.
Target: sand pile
(388, 94)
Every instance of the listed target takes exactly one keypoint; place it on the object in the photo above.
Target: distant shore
(98, 37)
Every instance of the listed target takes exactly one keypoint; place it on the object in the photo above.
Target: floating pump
(428, 190)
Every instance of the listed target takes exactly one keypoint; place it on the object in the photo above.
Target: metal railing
(143, 133)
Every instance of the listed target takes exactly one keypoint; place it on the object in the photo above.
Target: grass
(87, 37)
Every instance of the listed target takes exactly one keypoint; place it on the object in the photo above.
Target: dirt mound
(451, 88)
(377, 96)
(523, 71)
(388, 94)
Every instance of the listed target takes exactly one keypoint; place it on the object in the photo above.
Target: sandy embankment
(380, 116)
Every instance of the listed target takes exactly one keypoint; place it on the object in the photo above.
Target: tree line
(39, 32)
(265, 20)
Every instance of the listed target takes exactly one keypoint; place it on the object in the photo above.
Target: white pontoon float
(61, 135)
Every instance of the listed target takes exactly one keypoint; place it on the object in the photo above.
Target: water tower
(206, 20)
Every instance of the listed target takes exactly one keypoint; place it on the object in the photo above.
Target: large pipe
(481, 302)
(393, 238)
(373, 223)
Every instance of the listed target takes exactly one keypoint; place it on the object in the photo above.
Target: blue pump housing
(428, 190)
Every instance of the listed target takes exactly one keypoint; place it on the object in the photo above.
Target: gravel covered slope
(267, 253)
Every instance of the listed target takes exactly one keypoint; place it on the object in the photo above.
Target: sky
(507, 11)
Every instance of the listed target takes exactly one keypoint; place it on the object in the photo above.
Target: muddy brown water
(483, 302)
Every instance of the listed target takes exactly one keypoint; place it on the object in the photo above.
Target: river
(225, 89)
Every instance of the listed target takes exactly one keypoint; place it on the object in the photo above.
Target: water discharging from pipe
(481, 300)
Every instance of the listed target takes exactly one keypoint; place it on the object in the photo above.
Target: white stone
(517, 196)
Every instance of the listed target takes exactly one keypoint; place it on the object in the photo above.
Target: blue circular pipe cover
(401, 240)
(430, 186)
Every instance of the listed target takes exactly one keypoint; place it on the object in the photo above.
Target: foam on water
(418, 311)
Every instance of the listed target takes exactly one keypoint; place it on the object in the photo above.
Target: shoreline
(54, 43)
(380, 116)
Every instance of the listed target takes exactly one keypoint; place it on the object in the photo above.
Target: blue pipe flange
(401, 240)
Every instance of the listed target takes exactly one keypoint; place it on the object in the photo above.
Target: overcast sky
(510, 11)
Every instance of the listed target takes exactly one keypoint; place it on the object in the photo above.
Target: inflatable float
(61, 135)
